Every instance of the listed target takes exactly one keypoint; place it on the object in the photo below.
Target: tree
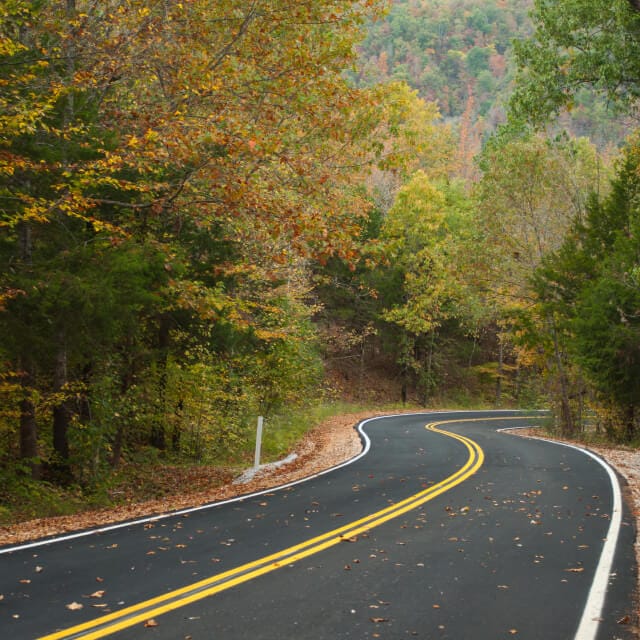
(181, 146)
(591, 285)
(531, 192)
(577, 43)
(422, 241)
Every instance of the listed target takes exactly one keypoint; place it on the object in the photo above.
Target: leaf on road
(74, 606)
(24, 581)
(350, 539)
(97, 594)
(575, 569)
(39, 569)
(151, 623)
(624, 620)
(378, 620)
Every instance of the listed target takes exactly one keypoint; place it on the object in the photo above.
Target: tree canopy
(576, 44)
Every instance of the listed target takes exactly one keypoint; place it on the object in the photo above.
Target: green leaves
(577, 43)
(590, 286)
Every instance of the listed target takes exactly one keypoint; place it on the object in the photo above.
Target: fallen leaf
(378, 620)
(151, 623)
(25, 581)
(513, 631)
(575, 569)
(97, 594)
(99, 579)
(624, 620)
(74, 606)
(39, 569)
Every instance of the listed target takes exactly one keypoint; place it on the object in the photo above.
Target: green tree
(531, 192)
(423, 241)
(591, 286)
(576, 44)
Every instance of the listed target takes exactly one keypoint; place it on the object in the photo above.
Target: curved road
(452, 531)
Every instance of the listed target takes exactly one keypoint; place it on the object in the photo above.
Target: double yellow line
(139, 613)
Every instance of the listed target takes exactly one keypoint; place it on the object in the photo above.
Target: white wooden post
(256, 460)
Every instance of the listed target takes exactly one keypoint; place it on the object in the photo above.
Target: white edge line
(209, 505)
(212, 505)
(590, 621)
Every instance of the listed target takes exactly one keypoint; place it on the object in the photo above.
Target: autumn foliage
(166, 169)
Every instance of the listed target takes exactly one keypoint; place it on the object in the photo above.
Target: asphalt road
(456, 532)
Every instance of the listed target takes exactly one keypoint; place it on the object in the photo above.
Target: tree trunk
(126, 382)
(61, 414)
(567, 423)
(500, 373)
(629, 423)
(158, 438)
(28, 424)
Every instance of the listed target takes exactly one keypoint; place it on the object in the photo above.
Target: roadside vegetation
(211, 213)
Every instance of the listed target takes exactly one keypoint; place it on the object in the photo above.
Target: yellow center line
(154, 607)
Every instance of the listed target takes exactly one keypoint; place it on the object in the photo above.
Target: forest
(214, 211)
